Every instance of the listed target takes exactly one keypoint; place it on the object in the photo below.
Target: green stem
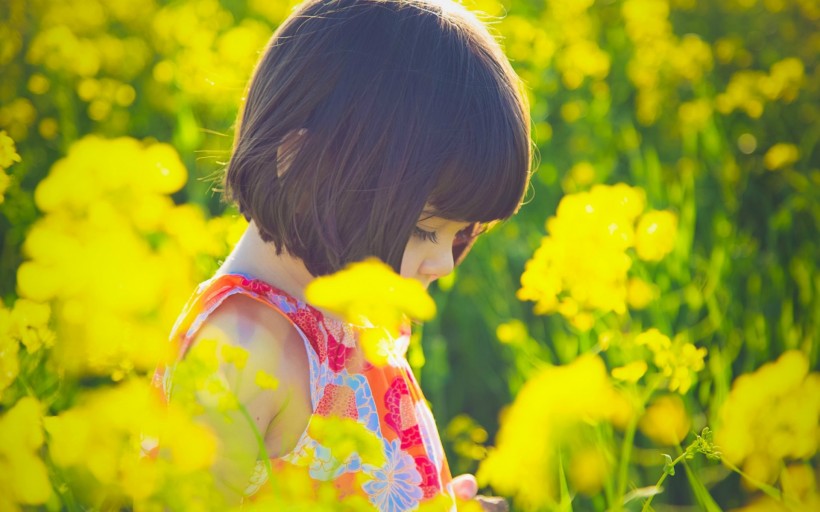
(59, 484)
(626, 454)
(629, 439)
(608, 489)
(260, 441)
(675, 462)
(772, 492)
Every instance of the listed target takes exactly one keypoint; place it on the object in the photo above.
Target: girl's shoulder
(275, 378)
(245, 306)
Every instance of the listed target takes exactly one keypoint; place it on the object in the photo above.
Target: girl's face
(429, 252)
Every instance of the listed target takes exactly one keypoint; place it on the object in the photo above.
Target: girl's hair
(362, 114)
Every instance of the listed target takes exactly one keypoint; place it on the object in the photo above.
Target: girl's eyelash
(425, 235)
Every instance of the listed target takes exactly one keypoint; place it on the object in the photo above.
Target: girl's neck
(256, 258)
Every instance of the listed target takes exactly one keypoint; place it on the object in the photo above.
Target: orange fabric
(386, 400)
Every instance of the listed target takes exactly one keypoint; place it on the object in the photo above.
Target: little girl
(387, 128)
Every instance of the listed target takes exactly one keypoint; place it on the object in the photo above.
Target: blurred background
(117, 117)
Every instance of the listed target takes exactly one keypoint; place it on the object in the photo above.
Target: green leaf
(705, 500)
(641, 493)
(669, 465)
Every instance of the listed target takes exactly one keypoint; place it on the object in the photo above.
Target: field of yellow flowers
(651, 336)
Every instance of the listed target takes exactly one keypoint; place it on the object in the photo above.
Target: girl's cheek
(411, 259)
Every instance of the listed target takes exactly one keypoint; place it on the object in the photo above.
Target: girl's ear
(287, 149)
(464, 241)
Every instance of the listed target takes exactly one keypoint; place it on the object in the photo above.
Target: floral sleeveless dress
(386, 400)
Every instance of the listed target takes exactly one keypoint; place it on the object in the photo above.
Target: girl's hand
(466, 488)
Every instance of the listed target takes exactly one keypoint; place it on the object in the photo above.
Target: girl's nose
(439, 264)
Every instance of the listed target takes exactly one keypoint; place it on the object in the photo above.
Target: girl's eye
(427, 236)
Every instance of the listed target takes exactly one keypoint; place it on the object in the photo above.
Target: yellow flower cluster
(99, 48)
(25, 324)
(24, 478)
(206, 52)
(466, 437)
(545, 420)
(16, 116)
(678, 361)
(749, 90)
(579, 56)
(99, 441)
(780, 155)
(346, 436)
(666, 421)
(799, 484)
(565, 33)
(582, 265)
(8, 156)
(372, 296)
(115, 254)
(771, 416)
(660, 58)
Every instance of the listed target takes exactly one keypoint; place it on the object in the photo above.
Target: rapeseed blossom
(780, 155)
(8, 156)
(25, 326)
(678, 361)
(582, 265)
(661, 59)
(99, 439)
(771, 416)
(544, 419)
(372, 296)
(655, 235)
(749, 90)
(666, 421)
(24, 478)
(588, 469)
(112, 242)
(8, 151)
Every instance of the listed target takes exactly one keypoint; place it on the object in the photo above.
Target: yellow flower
(581, 266)
(695, 114)
(99, 435)
(371, 291)
(8, 153)
(550, 407)
(265, 380)
(799, 484)
(70, 435)
(167, 174)
(582, 173)
(665, 421)
(347, 436)
(655, 235)
(513, 332)
(780, 156)
(639, 293)
(588, 470)
(371, 296)
(654, 339)
(29, 322)
(631, 372)
(192, 445)
(234, 355)
(116, 253)
(771, 415)
(678, 361)
(23, 475)
(9, 349)
(4, 184)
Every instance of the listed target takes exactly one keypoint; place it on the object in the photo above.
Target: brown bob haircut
(394, 106)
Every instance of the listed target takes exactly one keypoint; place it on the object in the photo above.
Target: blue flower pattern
(394, 487)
